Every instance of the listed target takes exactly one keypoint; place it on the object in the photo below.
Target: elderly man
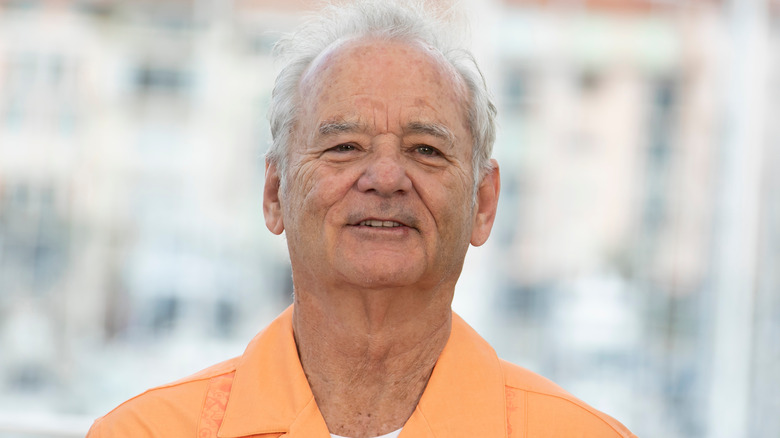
(380, 175)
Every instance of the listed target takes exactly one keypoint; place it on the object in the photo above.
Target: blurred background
(635, 259)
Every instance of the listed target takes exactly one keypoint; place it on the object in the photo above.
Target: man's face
(379, 181)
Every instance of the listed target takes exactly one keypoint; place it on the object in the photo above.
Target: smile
(380, 224)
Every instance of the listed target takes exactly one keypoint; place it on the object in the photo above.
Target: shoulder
(543, 408)
(173, 409)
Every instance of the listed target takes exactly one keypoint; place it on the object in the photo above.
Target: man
(380, 175)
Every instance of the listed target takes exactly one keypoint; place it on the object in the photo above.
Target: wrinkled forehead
(366, 60)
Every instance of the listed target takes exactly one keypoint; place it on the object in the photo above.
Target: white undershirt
(393, 434)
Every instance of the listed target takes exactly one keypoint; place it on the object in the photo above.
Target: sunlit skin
(382, 139)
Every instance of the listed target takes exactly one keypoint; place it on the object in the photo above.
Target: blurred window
(150, 79)
(22, 4)
(518, 92)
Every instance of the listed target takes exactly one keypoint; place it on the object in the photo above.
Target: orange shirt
(264, 393)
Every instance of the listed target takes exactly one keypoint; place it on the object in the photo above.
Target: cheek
(451, 206)
(314, 191)
(295, 191)
(445, 203)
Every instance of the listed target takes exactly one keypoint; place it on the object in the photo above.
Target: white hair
(407, 21)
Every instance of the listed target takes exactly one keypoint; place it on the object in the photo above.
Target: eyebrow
(433, 129)
(339, 127)
(437, 130)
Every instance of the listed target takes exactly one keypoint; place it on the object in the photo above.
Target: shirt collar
(465, 395)
(270, 393)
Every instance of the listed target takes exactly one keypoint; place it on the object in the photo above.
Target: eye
(344, 147)
(424, 149)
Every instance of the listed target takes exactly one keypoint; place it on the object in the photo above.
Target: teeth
(375, 223)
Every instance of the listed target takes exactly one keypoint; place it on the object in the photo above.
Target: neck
(368, 354)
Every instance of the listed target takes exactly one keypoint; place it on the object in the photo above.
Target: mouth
(375, 223)
(397, 221)
(386, 223)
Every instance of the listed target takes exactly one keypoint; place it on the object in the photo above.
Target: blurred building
(133, 250)
(638, 199)
(131, 144)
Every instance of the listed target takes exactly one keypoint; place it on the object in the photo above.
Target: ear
(272, 207)
(487, 203)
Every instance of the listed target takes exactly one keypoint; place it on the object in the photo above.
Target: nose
(385, 174)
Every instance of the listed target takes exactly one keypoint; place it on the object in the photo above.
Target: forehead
(373, 75)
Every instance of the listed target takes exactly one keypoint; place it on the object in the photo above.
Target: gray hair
(408, 21)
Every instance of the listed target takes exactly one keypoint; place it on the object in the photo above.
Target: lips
(384, 221)
(380, 223)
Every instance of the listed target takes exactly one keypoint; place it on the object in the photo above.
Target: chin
(374, 278)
